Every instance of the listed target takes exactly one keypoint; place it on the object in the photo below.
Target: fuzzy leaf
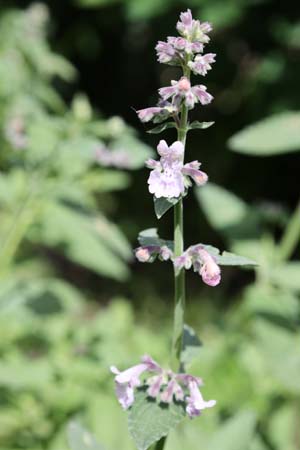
(272, 136)
(162, 205)
(236, 434)
(150, 237)
(230, 259)
(191, 345)
(81, 439)
(149, 421)
(162, 127)
(200, 125)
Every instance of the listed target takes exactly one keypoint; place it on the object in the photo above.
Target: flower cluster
(163, 385)
(169, 176)
(186, 51)
(202, 261)
(195, 256)
(149, 252)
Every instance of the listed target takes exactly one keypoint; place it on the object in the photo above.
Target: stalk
(179, 278)
(291, 236)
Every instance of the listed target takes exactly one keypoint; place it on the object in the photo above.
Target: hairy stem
(179, 278)
(291, 236)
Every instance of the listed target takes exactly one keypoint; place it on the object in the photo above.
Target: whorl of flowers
(162, 385)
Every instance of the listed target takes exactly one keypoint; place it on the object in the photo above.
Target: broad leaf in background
(200, 125)
(81, 439)
(272, 136)
(149, 421)
(235, 434)
(226, 212)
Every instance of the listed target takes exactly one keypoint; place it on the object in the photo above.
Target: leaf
(235, 434)
(149, 421)
(191, 345)
(81, 439)
(200, 125)
(136, 151)
(286, 276)
(272, 136)
(230, 259)
(162, 205)
(150, 237)
(162, 127)
(76, 235)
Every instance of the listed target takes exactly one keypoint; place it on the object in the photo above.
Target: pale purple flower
(183, 261)
(193, 29)
(182, 91)
(172, 389)
(166, 180)
(202, 63)
(165, 253)
(126, 381)
(147, 114)
(195, 402)
(155, 384)
(209, 271)
(165, 52)
(142, 254)
(192, 170)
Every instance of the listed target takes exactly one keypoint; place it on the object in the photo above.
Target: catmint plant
(148, 391)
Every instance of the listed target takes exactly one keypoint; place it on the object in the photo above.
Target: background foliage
(69, 74)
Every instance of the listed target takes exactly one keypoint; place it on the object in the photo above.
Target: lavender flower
(149, 252)
(202, 63)
(126, 381)
(147, 114)
(192, 170)
(193, 29)
(166, 179)
(203, 263)
(181, 91)
(195, 402)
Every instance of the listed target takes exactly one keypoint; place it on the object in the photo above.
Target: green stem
(179, 278)
(291, 236)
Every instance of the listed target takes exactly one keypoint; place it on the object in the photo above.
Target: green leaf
(137, 152)
(272, 136)
(235, 434)
(191, 345)
(162, 127)
(82, 239)
(200, 125)
(81, 439)
(230, 259)
(286, 276)
(162, 205)
(151, 237)
(149, 421)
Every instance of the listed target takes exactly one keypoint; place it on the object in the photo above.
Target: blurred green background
(72, 300)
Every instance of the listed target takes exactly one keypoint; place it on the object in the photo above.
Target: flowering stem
(179, 278)
(291, 236)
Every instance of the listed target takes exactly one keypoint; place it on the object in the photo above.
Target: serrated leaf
(191, 345)
(235, 434)
(272, 136)
(150, 237)
(162, 205)
(200, 125)
(149, 421)
(81, 439)
(162, 127)
(230, 259)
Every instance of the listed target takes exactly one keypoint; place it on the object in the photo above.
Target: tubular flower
(181, 91)
(166, 179)
(195, 402)
(202, 63)
(202, 261)
(193, 29)
(150, 252)
(126, 381)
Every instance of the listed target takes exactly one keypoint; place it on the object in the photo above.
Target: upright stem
(179, 278)
(291, 236)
